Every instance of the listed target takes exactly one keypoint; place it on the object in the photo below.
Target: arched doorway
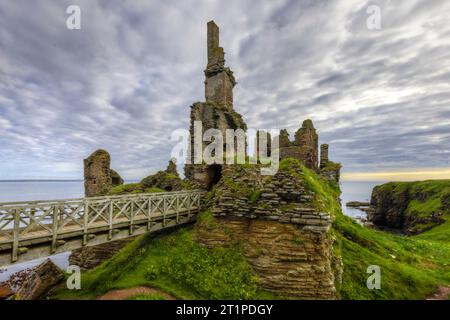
(214, 174)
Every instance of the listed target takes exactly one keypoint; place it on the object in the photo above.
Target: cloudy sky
(125, 81)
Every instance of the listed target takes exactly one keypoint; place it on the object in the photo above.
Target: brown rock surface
(39, 281)
(5, 291)
(167, 180)
(90, 257)
(285, 236)
(98, 176)
(289, 261)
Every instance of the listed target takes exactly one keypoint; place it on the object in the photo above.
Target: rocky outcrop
(5, 291)
(411, 207)
(39, 281)
(331, 171)
(98, 176)
(285, 234)
(92, 256)
(167, 180)
(289, 260)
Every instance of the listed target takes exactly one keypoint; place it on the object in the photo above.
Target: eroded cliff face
(411, 207)
(289, 261)
(279, 221)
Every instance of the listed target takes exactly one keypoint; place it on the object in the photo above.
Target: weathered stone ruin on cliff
(99, 178)
(285, 234)
(217, 112)
(279, 219)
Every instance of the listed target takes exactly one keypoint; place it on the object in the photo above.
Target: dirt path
(443, 293)
(124, 294)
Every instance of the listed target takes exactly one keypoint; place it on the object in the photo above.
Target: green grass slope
(411, 267)
(177, 265)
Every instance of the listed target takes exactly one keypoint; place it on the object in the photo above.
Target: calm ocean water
(54, 190)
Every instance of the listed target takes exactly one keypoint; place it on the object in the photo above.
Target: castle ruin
(217, 112)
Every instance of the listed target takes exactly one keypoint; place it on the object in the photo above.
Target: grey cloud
(126, 80)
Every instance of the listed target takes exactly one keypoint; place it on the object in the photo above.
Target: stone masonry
(304, 147)
(219, 82)
(217, 112)
(98, 176)
(323, 155)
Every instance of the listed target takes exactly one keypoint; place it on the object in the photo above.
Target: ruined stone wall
(323, 155)
(99, 178)
(304, 147)
(212, 116)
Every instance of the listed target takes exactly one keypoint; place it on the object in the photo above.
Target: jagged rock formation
(40, 280)
(90, 257)
(411, 207)
(99, 178)
(285, 235)
(216, 113)
(5, 291)
(167, 180)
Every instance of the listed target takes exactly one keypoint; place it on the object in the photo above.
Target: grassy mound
(133, 188)
(177, 265)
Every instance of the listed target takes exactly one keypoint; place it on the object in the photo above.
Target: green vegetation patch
(426, 200)
(175, 264)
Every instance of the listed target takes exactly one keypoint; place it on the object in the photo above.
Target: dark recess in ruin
(214, 174)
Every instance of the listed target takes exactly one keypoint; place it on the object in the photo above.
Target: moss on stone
(126, 188)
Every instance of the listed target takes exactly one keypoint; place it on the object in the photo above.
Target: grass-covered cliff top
(421, 200)
(411, 267)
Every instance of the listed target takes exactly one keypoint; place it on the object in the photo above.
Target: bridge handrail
(94, 199)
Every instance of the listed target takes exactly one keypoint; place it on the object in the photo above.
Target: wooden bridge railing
(27, 223)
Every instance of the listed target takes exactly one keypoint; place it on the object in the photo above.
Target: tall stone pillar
(323, 155)
(219, 82)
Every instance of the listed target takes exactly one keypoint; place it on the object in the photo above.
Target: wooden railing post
(149, 216)
(85, 222)
(164, 210)
(131, 216)
(189, 202)
(178, 208)
(54, 229)
(110, 219)
(16, 234)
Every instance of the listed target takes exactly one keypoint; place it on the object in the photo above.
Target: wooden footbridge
(34, 229)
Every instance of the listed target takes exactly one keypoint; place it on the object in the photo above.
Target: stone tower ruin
(219, 82)
(216, 112)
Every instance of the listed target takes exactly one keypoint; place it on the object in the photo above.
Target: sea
(11, 191)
